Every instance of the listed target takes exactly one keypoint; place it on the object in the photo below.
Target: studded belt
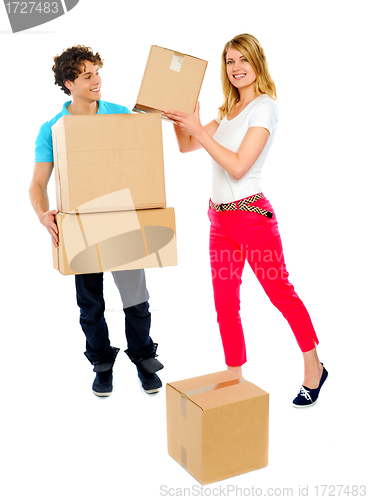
(242, 205)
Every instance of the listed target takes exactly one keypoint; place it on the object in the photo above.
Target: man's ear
(68, 84)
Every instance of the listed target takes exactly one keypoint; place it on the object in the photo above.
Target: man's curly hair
(68, 66)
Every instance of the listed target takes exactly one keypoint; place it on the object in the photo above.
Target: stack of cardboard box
(110, 187)
(109, 175)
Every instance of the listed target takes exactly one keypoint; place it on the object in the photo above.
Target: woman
(243, 223)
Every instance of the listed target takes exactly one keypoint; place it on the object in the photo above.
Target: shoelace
(303, 392)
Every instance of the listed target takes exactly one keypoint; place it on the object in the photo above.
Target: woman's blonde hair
(251, 49)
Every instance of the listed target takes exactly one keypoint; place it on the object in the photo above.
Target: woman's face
(239, 71)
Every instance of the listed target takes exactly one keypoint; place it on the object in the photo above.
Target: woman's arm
(186, 141)
(236, 164)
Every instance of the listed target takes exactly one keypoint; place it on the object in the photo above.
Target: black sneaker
(308, 397)
(102, 385)
(151, 383)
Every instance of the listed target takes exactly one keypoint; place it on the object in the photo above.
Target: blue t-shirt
(44, 151)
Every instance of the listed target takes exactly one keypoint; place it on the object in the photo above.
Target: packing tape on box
(188, 394)
(183, 457)
(177, 61)
(79, 219)
(57, 169)
(183, 406)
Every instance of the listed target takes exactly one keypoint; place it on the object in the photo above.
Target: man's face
(87, 85)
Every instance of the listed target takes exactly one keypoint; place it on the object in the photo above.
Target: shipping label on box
(105, 154)
(111, 241)
(171, 80)
(217, 425)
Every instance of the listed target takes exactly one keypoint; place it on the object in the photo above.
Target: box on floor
(217, 425)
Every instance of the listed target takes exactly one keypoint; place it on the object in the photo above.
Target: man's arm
(40, 200)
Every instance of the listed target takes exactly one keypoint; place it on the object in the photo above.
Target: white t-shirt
(261, 112)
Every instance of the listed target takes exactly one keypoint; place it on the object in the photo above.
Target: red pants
(236, 236)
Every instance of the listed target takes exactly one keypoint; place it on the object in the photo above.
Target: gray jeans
(132, 286)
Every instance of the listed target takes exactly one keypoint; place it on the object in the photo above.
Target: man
(76, 71)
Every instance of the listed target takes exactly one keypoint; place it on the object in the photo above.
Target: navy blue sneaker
(308, 397)
(102, 385)
(146, 368)
(150, 381)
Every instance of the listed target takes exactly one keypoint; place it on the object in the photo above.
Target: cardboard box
(111, 241)
(171, 80)
(103, 154)
(217, 425)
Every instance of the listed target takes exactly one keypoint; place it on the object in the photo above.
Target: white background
(59, 441)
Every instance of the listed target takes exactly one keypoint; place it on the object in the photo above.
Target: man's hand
(40, 200)
(48, 220)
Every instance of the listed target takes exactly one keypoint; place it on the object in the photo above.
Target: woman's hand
(189, 130)
(190, 124)
(192, 135)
